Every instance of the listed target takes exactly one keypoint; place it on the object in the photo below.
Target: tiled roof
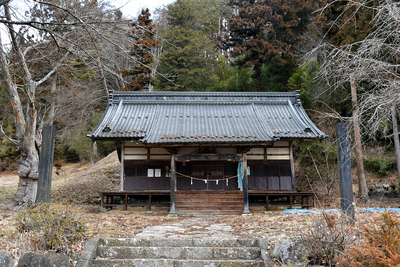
(204, 117)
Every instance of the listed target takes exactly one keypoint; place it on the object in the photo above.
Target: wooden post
(149, 204)
(46, 165)
(345, 180)
(292, 165)
(267, 199)
(122, 165)
(245, 186)
(126, 201)
(173, 185)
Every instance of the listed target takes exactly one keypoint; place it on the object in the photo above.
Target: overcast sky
(132, 8)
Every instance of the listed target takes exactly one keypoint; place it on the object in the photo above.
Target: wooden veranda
(207, 202)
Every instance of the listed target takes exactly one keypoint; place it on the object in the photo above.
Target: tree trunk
(28, 164)
(103, 79)
(53, 86)
(396, 140)
(363, 189)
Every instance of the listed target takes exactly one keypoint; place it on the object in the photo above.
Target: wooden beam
(173, 185)
(292, 165)
(122, 165)
(245, 186)
(208, 157)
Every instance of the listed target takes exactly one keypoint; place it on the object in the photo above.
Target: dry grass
(80, 185)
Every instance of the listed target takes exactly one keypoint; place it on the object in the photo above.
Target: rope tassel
(227, 181)
(191, 181)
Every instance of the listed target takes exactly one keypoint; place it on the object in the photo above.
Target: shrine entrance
(207, 176)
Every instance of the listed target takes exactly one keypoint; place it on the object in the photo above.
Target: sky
(132, 8)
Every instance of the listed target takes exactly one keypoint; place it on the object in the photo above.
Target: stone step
(162, 242)
(119, 252)
(197, 253)
(175, 263)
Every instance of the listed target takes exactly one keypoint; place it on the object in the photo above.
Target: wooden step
(214, 203)
(210, 207)
(217, 201)
(208, 197)
(209, 202)
(209, 212)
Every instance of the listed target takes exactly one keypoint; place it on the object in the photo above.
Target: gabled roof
(204, 117)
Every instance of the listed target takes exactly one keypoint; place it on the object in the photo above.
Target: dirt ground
(8, 178)
(118, 223)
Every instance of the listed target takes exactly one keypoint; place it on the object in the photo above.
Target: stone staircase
(174, 252)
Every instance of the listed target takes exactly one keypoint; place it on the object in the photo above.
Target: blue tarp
(240, 175)
(293, 211)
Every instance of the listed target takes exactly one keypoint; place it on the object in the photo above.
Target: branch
(53, 70)
(105, 38)
(15, 142)
(16, 46)
(32, 23)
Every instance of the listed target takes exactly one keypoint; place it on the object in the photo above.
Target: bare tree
(370, 67)
(50, 40)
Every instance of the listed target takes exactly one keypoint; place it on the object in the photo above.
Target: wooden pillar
(149, 202)
(245, 185)
(122, 165)
(173, 185)
(292, 165)
(126, 201)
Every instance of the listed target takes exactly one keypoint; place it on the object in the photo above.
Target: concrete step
(197, 253)
(175, 263)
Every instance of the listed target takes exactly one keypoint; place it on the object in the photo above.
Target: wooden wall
(137, 151)
(278, 157)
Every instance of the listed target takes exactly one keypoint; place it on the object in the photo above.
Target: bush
(381, 246)
(327, 238)
(380, 166)
(52, 226)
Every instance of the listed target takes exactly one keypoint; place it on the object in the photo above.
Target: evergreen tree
(143, 49)
(264, 33)
(342, 23)
(188, 57)
(232, 78)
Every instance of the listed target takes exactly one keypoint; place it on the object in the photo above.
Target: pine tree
(188, 57)
(144, 32)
